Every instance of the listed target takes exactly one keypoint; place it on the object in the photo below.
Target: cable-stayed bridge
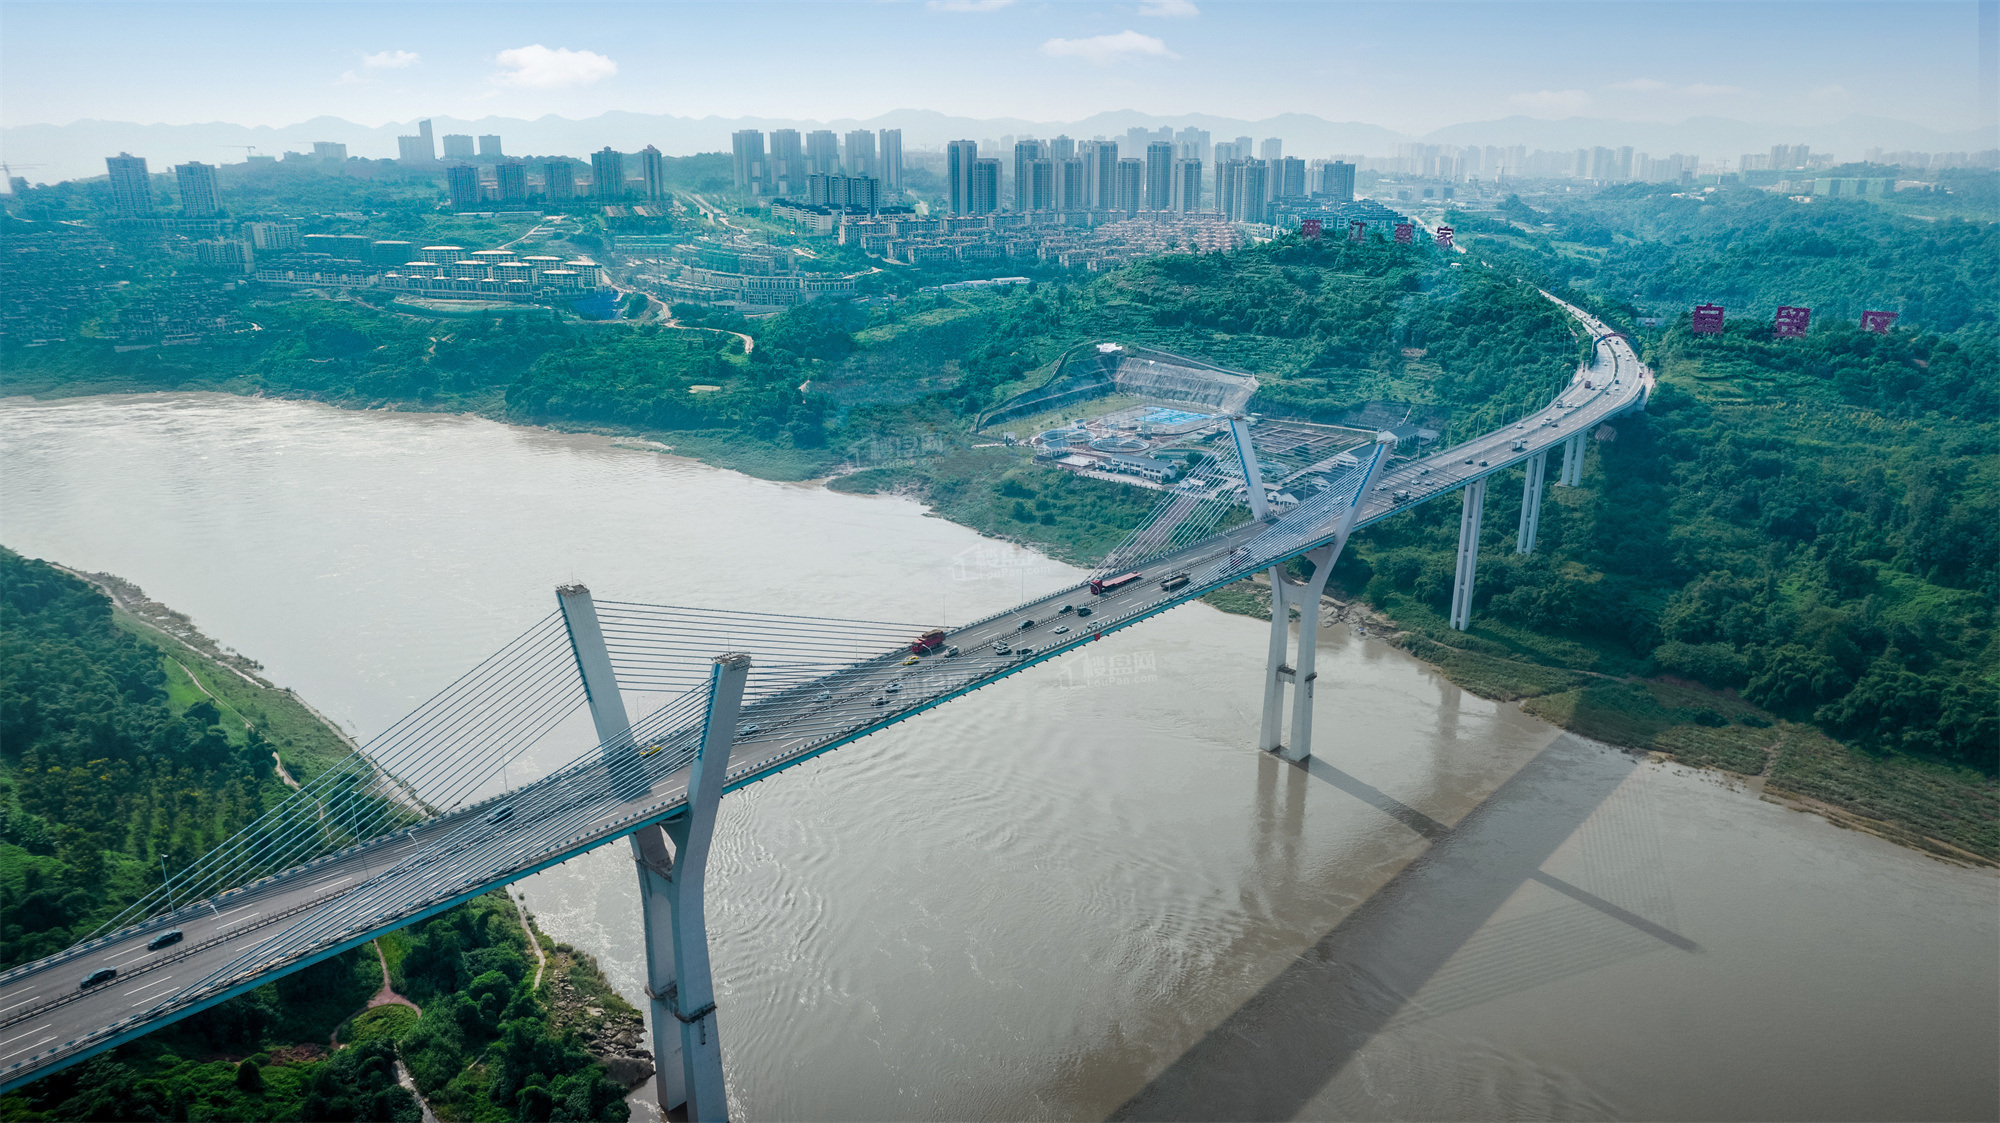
(398, 832)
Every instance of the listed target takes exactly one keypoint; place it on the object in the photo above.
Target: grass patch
(1244, 598)
(393, 1022)
(302, 741)
(1915, 800)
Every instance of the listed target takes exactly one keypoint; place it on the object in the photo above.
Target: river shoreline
(1497, 679)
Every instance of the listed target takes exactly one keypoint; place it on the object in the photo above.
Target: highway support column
(1572, 465)
(1306, 597)
(1531, 503)
(1468, 554)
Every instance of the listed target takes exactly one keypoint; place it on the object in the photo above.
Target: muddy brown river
(1081, 893)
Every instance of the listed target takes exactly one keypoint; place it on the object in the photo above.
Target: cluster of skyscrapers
(1070, 176)
(787, 166)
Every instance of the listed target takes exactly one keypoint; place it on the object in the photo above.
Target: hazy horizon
(1409, 68)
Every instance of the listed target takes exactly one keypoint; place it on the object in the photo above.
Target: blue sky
(1407, 66)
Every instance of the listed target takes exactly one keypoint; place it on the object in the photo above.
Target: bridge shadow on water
(1276, 1052)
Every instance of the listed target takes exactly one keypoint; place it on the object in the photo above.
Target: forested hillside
(121, 753)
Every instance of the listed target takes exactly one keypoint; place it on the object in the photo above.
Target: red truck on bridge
(1102, 585)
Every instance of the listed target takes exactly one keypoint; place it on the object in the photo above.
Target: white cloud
(967, 5)
(1552, 101)
(1638, 84)
(1102, 50)
(544, 68)
(1703, 89)
(1169, 9)
(390, 60)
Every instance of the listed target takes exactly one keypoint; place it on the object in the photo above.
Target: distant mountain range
(77, 150)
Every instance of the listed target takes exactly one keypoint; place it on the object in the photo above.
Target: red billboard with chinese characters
(1310, 228)
(1405, 233)
(1791, 321)
(1878, 322)
(1708, 319)
(1354, 230)
(1443, 237)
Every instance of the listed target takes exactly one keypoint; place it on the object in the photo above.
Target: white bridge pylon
(1300, 673)
(687, 1046)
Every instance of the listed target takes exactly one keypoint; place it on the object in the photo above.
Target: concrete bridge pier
(1531, 503)
(1572, 465)
(673, 887)
(672, 862)
(1468, 554)
(1305, 597)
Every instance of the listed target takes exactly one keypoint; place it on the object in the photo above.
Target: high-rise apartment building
(1228, 181)
(274, 237)
(458, 146)
(330, 152)
(1129, 190)
(489, 146)
(1226, 150)
(510, 182)
(1068, 190)
(889, 159)
(1192, 144)
(1187, 186)
(985, 187)
(1288, 177)
(1041, 184)
(959, 158)
(788, 162)
(558, 180)
(461, 183)
(653, 172)
(1337, 181)
(1271, 149)
(1061, 148)
(1246, 148)
(1100, 174)
(199, 197)
(607, 173)
(1788, 157)
(131, 190)
(859, 156)
(413, 150)
(749, 166)
(430, 146)
(1253, 192)
(862, 192)
(1159, 175)
(822, 152)
(1026, 151)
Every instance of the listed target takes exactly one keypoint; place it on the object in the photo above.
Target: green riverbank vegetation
(122, 747)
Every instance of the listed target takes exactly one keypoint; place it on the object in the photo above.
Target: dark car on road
(164, 939)
(98, 978)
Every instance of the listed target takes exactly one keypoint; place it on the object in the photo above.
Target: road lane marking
(23, 1002)
(19, 1036)
(25, 1048)
(140, 950)
(317, 884)
(148, 986)
(231, 912)
(234, 923)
